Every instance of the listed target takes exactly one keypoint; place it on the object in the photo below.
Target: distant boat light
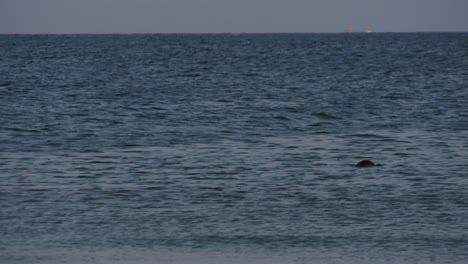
(368, 29)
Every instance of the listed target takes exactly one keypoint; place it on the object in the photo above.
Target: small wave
(121, 192)
(38, 189)
(319, 124)
(103, 162)
(403, 154)
(210, 179)
(369, 135)
(187, 75)
(283, 118)
(292, 109)
(158, 108)
(28, 201)
(17, 129)
(155, 188)
(211, 188)
(86, 176)
(5, 84)
(323, 115)
(228, 132)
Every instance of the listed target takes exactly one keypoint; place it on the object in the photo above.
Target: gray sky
(211, 16)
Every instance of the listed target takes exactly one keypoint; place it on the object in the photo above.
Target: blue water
(234, 148)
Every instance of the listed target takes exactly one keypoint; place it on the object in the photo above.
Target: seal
(365, 164)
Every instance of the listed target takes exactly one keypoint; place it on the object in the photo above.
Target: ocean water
(229, 148)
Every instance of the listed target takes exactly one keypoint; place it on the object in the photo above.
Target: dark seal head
(365, 164)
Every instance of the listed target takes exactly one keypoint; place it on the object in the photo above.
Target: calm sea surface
(234, 148)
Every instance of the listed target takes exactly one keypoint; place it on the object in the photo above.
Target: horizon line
(221, 33)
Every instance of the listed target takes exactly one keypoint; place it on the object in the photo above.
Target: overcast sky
(212, 16)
